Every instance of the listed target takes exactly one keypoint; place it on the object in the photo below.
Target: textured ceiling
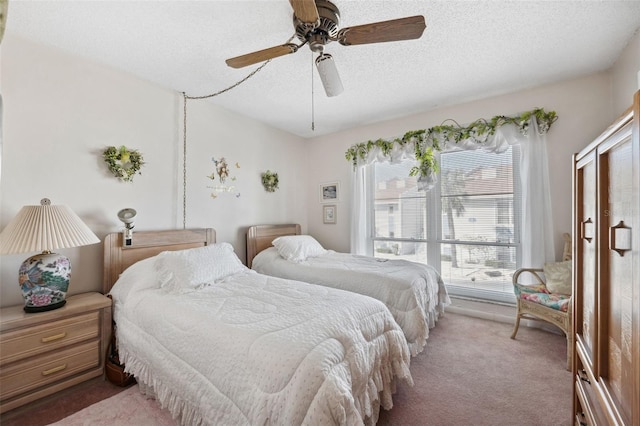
(470, 50)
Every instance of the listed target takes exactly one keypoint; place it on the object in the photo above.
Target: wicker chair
(537, 302)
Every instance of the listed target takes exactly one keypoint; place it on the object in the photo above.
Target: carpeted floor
(129, 407)
(471, 372)
(62, 404)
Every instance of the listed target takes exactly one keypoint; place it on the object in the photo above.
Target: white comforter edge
(389, 354)
(414, 293)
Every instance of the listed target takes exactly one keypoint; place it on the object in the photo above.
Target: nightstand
(43, 353)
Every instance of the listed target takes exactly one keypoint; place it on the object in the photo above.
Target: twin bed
(414, 293)
(218, 343)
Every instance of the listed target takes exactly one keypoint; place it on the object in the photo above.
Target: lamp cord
(184, 135)
(184, 131)
(184, 162)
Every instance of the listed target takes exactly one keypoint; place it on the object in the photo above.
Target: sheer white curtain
(361, 180)
(361, 215)
(537, 220)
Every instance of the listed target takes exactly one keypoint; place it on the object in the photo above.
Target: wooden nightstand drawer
(35, 372)
(24, 343)
(43, 353)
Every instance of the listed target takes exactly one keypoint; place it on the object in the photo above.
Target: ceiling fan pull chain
(313, 112)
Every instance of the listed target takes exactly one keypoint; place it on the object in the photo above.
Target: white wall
(584, 109)
(585, 106)
(60, 112)
(625, 76)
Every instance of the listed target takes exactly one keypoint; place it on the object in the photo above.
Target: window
(467, 227)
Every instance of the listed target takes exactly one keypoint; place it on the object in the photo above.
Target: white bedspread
(414, 293)
(259, 350)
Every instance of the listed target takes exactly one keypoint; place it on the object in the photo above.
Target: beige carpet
(472, 373)
(129, 407)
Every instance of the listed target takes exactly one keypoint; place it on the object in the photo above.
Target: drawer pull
(582, 417)
(54, 337)
(582, 374)
(54, 370)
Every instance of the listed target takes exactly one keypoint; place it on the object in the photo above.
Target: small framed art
(329, 192)
(329, 214)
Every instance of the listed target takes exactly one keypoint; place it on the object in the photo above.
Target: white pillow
(558, 277)
(297, 248)
(139, 276)
(184, 270)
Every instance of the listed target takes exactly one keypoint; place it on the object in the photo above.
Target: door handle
(620, 238)
(586, 230)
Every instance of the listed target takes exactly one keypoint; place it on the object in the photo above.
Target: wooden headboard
(146, 244)
(259, 237)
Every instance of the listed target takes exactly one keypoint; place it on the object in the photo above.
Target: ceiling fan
(316, 23)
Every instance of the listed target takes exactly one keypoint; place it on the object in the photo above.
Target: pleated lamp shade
(44, 278)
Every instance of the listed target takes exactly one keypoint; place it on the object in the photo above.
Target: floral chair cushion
(540, 294)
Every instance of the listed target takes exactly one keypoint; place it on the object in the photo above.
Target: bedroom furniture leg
(515, 327)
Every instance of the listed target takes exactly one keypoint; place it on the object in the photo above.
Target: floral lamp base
(44, 281)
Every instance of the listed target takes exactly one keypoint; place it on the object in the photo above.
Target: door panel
(586, 246)
(615, 166)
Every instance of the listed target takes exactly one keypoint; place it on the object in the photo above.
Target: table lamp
(44, 278)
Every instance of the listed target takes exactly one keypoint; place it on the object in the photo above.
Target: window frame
(434, 239)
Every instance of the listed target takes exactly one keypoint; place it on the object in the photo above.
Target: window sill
(482, 309)
(491, 311)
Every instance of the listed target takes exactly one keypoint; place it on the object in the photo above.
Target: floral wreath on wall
(270, 181)
(124, 163)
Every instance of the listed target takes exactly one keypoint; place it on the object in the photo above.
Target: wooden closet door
(617, 206)
(606, 288)
(586, 256)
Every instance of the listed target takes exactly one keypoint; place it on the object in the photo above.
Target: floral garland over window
(270, 181)
(123, 162)
(425, 142)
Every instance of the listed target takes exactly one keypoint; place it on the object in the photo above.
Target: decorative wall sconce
(126, 216)
(223, 174)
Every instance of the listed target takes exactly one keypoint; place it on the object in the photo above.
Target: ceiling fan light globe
(329, 75)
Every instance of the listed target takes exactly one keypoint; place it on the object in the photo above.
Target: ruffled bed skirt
(390, 365)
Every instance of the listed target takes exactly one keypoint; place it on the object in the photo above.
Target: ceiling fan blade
(261, 55)
(394, 30)
(305, 10)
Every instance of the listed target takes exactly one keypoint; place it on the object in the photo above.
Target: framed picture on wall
(329, 214)
(329, 192)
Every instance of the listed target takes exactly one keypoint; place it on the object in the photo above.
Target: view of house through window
(467, 227)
